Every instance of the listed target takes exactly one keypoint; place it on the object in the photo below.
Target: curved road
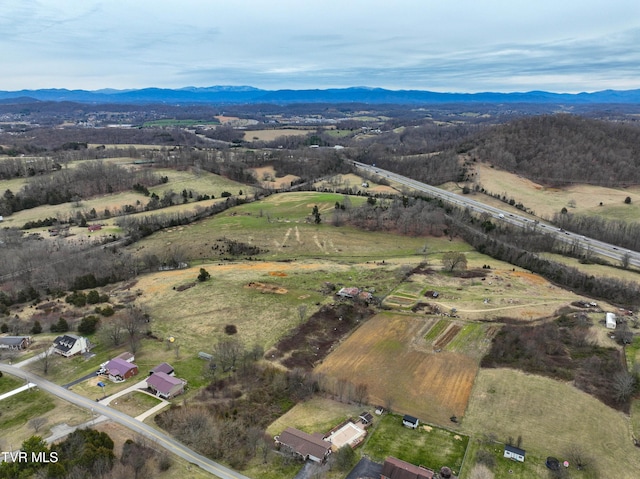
(141, 428)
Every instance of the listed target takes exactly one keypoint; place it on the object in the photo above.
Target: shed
(515, 453)
(610, 320)
(410, 421)
(163, 368)
(205, 356)
(165, 386)
(126, 356)
(366, 417)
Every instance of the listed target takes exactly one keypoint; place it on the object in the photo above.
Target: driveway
(365, 469)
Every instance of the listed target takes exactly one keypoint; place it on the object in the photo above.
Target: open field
(270, 135)
(202, 182)
(281, 225)
(16, 412)
(266, 175)
(179, 123)
(355, 183)
(315, 415)
(428, 446)
(547, 201)
(550, 416)
(504, 292)
(631, 274)
(388, 354)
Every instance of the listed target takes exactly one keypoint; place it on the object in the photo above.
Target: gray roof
(13, 340)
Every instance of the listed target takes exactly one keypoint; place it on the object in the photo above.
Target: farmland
(384, 355)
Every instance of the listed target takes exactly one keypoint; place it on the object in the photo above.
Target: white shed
(610, 321)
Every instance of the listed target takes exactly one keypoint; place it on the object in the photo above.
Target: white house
(515, 453)
(610, 321)
(70, 345)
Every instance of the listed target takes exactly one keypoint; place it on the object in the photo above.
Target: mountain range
(251, 95)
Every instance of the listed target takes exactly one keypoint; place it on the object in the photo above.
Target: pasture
(388, 354)
(282, 225)
(551, 417)
(546, 201)
(270, 135)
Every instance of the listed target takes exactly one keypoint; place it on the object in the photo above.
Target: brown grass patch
(530, 277)
(384, 355)
(267, 288)
(277, 273)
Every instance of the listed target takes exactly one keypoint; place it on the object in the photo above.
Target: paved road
(597, 247)
(156, 436)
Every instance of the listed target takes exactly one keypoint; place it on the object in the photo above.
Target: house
(119, 370)
(163, 368)
(15, 343)
(366, 417)
(92, 228)
(515, 453)
(307, 446)
(69, 345)
(610, 320)
(165, 386)
(410, 421)
(394, 468)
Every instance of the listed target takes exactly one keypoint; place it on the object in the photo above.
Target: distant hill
(249, 95)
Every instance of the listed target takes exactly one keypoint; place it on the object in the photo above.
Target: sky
(446, 45)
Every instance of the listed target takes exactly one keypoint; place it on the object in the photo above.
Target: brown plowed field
(448, 335)
(382, 354)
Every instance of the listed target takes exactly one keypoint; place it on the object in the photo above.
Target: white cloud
(466, 45)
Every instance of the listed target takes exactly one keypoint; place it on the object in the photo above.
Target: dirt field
(389, 354)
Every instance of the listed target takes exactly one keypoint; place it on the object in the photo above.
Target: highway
(141, 428)
(607, 250)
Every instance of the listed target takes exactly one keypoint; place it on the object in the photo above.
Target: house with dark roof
(165, 386)
(15, 343)
(366, 417)
(163, 368)
(69, 345)
(515, 453)
(394, 468)
(410, 421)
(120, 370)
(307, 446)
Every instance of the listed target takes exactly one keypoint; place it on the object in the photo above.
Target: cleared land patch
(383, 354)
(551, 416)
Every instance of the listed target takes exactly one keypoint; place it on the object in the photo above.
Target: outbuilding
(165, 386)
(410, 421)
(610, 320)
(515, 453)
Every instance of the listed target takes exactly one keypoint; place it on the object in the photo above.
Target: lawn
(9, 383)
(315, 415)
(429, 446)
(134, 403)
(551, 417)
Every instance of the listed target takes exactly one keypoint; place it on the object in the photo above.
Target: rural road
(141, 428)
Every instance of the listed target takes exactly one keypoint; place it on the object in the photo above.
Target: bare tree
(133, 321)
(361, 393)
(480, 471)
(227, 352)
(625, 260)
(454, 260)
(624, 385)
(47, 360)
(37, 422)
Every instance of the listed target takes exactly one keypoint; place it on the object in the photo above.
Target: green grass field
(9, 383)
(428, 446)
(436, 330)
(551, 417)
